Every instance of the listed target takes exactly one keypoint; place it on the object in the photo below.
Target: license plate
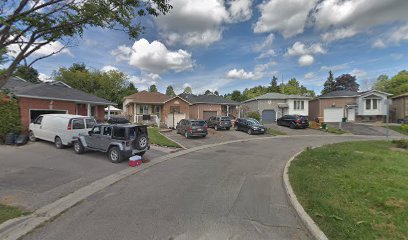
(199, 129)
(262, 130)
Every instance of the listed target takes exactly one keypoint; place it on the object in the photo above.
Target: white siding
(381, 107)
(292, 111)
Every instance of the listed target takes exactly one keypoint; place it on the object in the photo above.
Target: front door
(351, 114)
(105, 137)
(94, 139)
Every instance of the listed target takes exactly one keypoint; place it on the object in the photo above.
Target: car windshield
(253, 121)
(90, 122)
(225, 119)
(197, 123)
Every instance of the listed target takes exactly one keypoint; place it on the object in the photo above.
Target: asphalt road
(231, 191)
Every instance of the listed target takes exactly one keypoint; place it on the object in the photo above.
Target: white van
(59, 128)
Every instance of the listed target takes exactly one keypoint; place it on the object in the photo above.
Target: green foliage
(254, 115)
(329, 85)
(112, 85)
(153, 88)
(27, 73)
(9, 212)
(274, 85)
(9, 117)
(403, 143)
(293, 87)
(155, 137)
(188, 90)
(170, 91)
(404, 127)
(346, 82)
(397, 85)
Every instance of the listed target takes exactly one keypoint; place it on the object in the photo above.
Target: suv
(120, 141)
(219, 122)
(192, 128)
(249, 125)
(293, 121)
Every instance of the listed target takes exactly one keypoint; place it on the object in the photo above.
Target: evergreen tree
(329, 85)
(188, 90)
(153, 88)
(274, 85)
(170, 91)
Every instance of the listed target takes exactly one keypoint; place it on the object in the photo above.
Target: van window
(119, 132)
(38, 120)
(78, 124)
(90, 122)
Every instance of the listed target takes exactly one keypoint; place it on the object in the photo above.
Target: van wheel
(32, 137)
(114, 155)
(58, 143)
(78, 147)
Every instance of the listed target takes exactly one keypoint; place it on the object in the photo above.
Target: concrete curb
(17, 228)
(181, 145)
(307, 221)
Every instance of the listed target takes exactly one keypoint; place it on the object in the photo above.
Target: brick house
(53, 97)
(355, 106)
(165, 110)
(399, 107)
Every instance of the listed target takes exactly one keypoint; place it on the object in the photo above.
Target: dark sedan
(249, 125)
(293, 121)
(192, 128)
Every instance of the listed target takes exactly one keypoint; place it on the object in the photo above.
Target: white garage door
(333, 114)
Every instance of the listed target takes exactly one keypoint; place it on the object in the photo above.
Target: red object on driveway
(135, 161)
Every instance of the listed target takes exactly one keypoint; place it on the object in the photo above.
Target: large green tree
(29, 25)
(329, 85)
(153, 88)
(293, 87)
(27, 73)
(397, 85)
(274, 85)
(347, 82)
(170, 91)
(188, 90)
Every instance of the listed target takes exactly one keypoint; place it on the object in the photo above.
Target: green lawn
(334, 130)
(8, 212)
(355, 190)
(274, 132)
(398, 129)
(158, 139)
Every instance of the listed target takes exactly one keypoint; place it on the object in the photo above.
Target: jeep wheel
(115, 155)
(78, 147)
(141, 142)
(32, 137)
(58, 143)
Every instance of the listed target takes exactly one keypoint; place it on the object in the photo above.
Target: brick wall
(196, 110)
(100, 113)
(176, 102)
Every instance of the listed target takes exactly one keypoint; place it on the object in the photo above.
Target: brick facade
(317, 106)
(177, 103)
(197, 110)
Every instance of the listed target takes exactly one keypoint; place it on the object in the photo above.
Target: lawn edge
(181, 145)
(307, 221)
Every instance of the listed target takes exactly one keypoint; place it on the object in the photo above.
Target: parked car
(293, 121)
(219, 122)
(192, 128)
(249, 125)
(120, 141)
(59, 128)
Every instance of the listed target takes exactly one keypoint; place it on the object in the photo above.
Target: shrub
(254, 115)
(401, 143)
(404, 127)
(9, 117)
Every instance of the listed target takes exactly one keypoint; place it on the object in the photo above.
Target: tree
(27, 26)
(216, 93)
(27, 73)
(208, 92)
(397, 85)
(235, 96)
(329, 85)
(274, 85)
(293, 87)
(153, 88)
(346, 82)
(188, 90)
(170, 91)
(382, 83)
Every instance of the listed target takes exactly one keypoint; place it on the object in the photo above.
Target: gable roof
(148, 97)
(402, 95)
(276, 96)
(22, 88)
(346, 93)
(208, 99)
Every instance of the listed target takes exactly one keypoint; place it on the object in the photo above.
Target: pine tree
(170, 91)
(329, 85)
(274, 85)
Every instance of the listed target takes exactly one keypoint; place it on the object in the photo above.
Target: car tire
(216, 128)
(114, 154)
(78, 147)
(32, 137)
(141, 142)
(228, 128)
(292, 126)
(58, 143)
(250, 131)
(186, 134)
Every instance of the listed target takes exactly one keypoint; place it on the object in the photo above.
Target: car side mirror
(90, 133)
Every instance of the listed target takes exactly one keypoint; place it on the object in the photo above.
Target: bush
(404, 127)
(9, 117)
(254, 115)
(401, 143)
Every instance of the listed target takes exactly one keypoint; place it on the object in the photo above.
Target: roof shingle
(149, 97)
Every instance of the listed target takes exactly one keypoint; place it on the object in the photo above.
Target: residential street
(231, 191)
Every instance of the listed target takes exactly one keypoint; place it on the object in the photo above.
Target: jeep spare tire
(141, 142)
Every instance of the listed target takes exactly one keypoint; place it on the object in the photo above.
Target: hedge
(9, 116)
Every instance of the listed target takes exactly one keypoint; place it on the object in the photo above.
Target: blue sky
(226, 45)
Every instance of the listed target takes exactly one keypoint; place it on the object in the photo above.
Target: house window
(144, 109)
(375, 103)
(299, 105)
(175, 109)
(368, 104)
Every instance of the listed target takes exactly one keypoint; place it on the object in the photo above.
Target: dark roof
(22, 88)
(210, 99)
(402, 95)
(148, 97)
(341, 93)
(274, 96)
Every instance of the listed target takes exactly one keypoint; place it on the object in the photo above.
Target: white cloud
(144, 81)
(359, 73)
(108, 68)
(306, 60)
(299, 48)
(335, 67)
(192, 22)
(240, 74)
(53, 47)
(396, 36)
(310, 75)
(338, 34)
(266, 54)
(285, 16)
(260, 71)
(154, 57)
(267, 43)
(379, 43)
(44, 77)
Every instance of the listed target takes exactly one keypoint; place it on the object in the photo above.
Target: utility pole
(387, 103)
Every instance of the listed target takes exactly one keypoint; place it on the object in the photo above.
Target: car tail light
(190, 130)
(205, 127)
(297, 121)
(69, 126)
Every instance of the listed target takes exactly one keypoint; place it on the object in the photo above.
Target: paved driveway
(212, 137)
(366, 129)
(37, 174)
(289, 131)
(228, 192)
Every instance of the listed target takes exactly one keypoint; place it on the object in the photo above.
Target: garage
(268, 116)
(333, 114)
(208, 114)
(35, 113)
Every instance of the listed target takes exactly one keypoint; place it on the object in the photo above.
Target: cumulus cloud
(306, 60)
(396, 36)
(239, 74)
(154, 57)
(53, 47)
(300, 48)
(359, 73)
(44, 77)
(310, 75)
(338, 34)
(267, 43)
(201, 22)
(260, 71)
(108, 68)
(285, 16)
(144, 81)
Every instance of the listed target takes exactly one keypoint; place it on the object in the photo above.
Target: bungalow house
(53, 97)
(355, 106)
(272, 106)
(399, 107)
(161, 109)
